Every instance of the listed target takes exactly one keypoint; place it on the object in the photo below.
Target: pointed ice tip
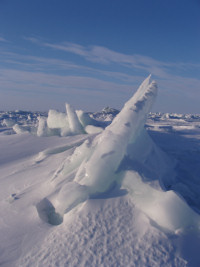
(149, 77)
(147, 80)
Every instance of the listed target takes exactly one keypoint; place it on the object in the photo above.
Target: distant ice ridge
(29, 122)
(73, 122)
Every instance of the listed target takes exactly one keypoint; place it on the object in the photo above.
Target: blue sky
(94, 53)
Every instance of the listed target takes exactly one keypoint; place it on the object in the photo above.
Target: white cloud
(38, 81)
(103, 55)
(53, 76)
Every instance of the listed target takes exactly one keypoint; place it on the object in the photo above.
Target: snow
(167, 209)
(126, 195)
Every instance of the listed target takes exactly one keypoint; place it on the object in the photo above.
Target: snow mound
(167, 209)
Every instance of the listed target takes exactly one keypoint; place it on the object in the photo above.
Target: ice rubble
(19, 129)
(42, 129)
(59, 124)
(101, 162)
(70, 123)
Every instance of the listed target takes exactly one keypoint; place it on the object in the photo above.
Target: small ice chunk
(42, 127)
(85, 119)
(70, 195)
(19, 129)
(90, 129)
(74, 123)
(57, 119)
(167, 209)
(8, 122)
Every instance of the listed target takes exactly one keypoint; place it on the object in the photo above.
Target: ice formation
(98, 170)
(74, 123)
(19, 129)
(167, 209)
(42, 129)
(112, 144)
(58, 123)
(100, 162)
(91, 129)
(70, 123)
(85, 119)
(8, 122)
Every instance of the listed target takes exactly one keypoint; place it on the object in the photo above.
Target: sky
(95, 53)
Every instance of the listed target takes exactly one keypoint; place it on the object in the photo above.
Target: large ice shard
(97, 172)
(111, 145)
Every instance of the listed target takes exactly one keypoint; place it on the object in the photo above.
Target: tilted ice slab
(98, 170)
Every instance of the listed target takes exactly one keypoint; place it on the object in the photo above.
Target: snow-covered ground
(80, 189)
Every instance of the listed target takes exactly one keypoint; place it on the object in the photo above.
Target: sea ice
(101, 165)
(85, 119)
(42, 129)
(167, 209)
(74, 123)
(19, 129)
(113, 142)
(98, 171)
(57, 119)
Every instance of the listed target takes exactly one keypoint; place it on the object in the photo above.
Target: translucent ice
(74, 123)
(42, 127)
(167, 209)
(57, 119)
(113, 142)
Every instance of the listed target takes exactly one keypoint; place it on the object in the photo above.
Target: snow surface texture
(100, 199)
